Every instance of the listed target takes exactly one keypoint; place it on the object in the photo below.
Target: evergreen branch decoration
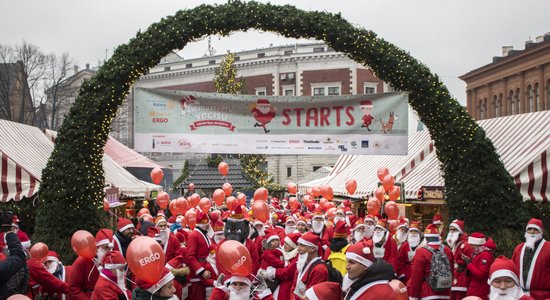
(480, 190)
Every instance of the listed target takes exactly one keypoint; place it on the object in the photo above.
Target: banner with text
(181, 121)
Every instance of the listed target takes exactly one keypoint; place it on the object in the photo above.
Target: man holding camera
(16, 259)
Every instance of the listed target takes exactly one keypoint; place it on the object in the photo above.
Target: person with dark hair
(16, 259)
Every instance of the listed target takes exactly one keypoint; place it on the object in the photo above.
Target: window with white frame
(370, 87)
(326, 89)
(288, 90)
(261, 91)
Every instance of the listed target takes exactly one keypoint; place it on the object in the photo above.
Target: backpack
(441, 276)
(333, 274)
(19, 282)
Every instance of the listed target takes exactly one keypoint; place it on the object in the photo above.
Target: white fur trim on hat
(290, 242)
(52, 258)
(360, 259)
(502, 273)
(271, 238)
(126, 227)
(310, 294)
(304, 242)
(455, 226)
(104, 242)
(533, 226)
(258, 222)
(114, 266)
(301, 221)
(163, 281)
(240, 279)
(476, 241)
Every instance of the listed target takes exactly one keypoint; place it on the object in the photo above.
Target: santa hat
(113, 260)
(317, 212)
(214, 216)
(52, 256)
(171, 220)
(290, 218)
(302, 220)
(24, 239)
(175, 263)
(402, 223)
(15, 221)
(166, 277)
(153, 232)
(381, 224)
(292, 239)
(503, 266)
(361, 252)
(371, 218)
(218, 227)
(160, 219)
(415, 225)
(348, 211)
(358, 224)
(436, 220)
(476, 238)
(244, 279)
(431, 231)
(257, 222)
(490, 244)
(341, 211)
(458, 225)
(341, 229)
(262, 101)
(309, 239)
(202, 218)
(325, 290)
(181, 235)
(237, 214)
(535, 223)
(271, 235)
(366, 103)
(104, 237)
(124, 224)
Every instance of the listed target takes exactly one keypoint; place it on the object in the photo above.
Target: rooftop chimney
(506, 50)
(75, 69)
(87, 66)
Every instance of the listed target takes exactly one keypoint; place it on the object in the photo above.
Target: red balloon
(106, 205)
(316, 191)
(388, 182)
(39, 251)
(163, 199)
(235, 258)
(392, 226)
(351, 186)
(394, 193)
(373, 206)
(223, 168)
(326, 192)
(83, 244)
(143, 211)
(191, 218)
(194, 200)
(157, 175)
(183, 205)
(322, 202)
(18, 297)
(231, 203)
(330, 213)
(146, 259)
(306, 199)
(380, 193)
(173, 207)
(382, 172)
(241, 198)
(261, 194)
(400, 289)
(292, 188)
(293, 202)
(205, 204)
(391, 210)
(260, 210)
(328, 205)
(227, 189)
(218, 196)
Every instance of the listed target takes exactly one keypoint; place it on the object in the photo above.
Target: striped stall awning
(16, 182)
(522, 141)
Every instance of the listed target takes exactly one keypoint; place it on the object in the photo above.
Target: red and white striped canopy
(16, 183)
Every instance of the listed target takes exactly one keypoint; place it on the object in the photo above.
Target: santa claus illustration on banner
(263, 112)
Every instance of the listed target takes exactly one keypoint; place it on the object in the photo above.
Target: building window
(261, 55)
(499, 106)
(482, 109)
(315, 168)
(531, 99)
(370, 87)
(237, 58)
(322, 89)
(189, 65)
(319, 91)
(282, 76)
(261, 91)
(548, 94)
(511, 103)
(288, 52)
(369, 90)
(288, 171)
(289, 92)
(212, 62)
(536, 95)
(166, 69)
(333, 90)
(516, 97)
(319, 49)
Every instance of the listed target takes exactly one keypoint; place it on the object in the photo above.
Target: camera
(6, 218)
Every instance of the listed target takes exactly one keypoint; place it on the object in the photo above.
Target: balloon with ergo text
(146, 259)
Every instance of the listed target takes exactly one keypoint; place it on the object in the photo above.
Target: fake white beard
(414, 240)
(317, 226)
(290, 254)
(358, 236)
(242, 294)
(218, 238)
(164, 235)
(100, 254)
(336, 219)
(346, 283)
(401, 236)
(52, 267)
(512, 293)
(302, 258)
(369, 231)
(378, 236)
(261, 232)
(290, 229)
(179, 220)
(121, 279)
(452, 238)
(531, 239)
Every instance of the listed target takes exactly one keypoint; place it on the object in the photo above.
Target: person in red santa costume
(55, 267)
(257, 236)
(533, 260)
(358, 230)
(407, 252)
(198, 249)
(457, 240)
(504, 281)
(85, 272)
(40, 278)
(478, 265)
(418, 286)
(324, 291)
(169, 242)
(180, 271)
(310, 269)
(370, 223)
(240, 288)
(324, 232)
(111, 284)
(438, 222)
(163, 289)
(263, 112)
(367, 278)
(124, 235)
(384, 244)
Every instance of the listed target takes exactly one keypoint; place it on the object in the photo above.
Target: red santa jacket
(461, 278)
(259, 247)
(39, 277)
(223, 294)
(309, 278)
(65, 273)
(198, 248)
(479, 274)
(106, 289)
(375, 290)
(538, 280)
(83, 278)
(172, 247)
(390, 252)
(272, 258)
(417, 286)
(325, 237)
(404, 261)
(286, 280)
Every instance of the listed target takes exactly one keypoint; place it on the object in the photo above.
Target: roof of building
(206, 177)
(522, 142)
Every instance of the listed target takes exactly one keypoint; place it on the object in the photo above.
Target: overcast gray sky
(450, 37)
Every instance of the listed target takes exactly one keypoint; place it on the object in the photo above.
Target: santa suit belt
(201, 259)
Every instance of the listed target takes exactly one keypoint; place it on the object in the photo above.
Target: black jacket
(12, 264)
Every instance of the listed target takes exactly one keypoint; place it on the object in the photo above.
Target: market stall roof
(522, 141)
(206, 177)
(25, 152)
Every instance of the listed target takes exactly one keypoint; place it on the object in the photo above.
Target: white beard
(452, 238)
(290, 255)
(290, 229)
(53, 267)
(346, 283)
(121, 280)
(164, 235)
(317, 226)
(369, 231)
(100, 254)
(378, 236)
(218, 238)
(261, 232)
(512, 293)
(413, 240)
(401, 236)
(336, 219)
(302, 258)
(358, 236)
(243, 294)
(531, 239)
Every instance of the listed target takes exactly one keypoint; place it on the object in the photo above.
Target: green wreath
(479, 189)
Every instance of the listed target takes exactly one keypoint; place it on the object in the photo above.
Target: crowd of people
(296, 254)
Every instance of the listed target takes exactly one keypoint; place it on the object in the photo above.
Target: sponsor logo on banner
(377, 145)
(185, 144)
(342, 148)
(203, 123)
(294, 141)
(311, 142)
(315, 148)
(364, 144)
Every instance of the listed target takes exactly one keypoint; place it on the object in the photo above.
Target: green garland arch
(479, 189)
